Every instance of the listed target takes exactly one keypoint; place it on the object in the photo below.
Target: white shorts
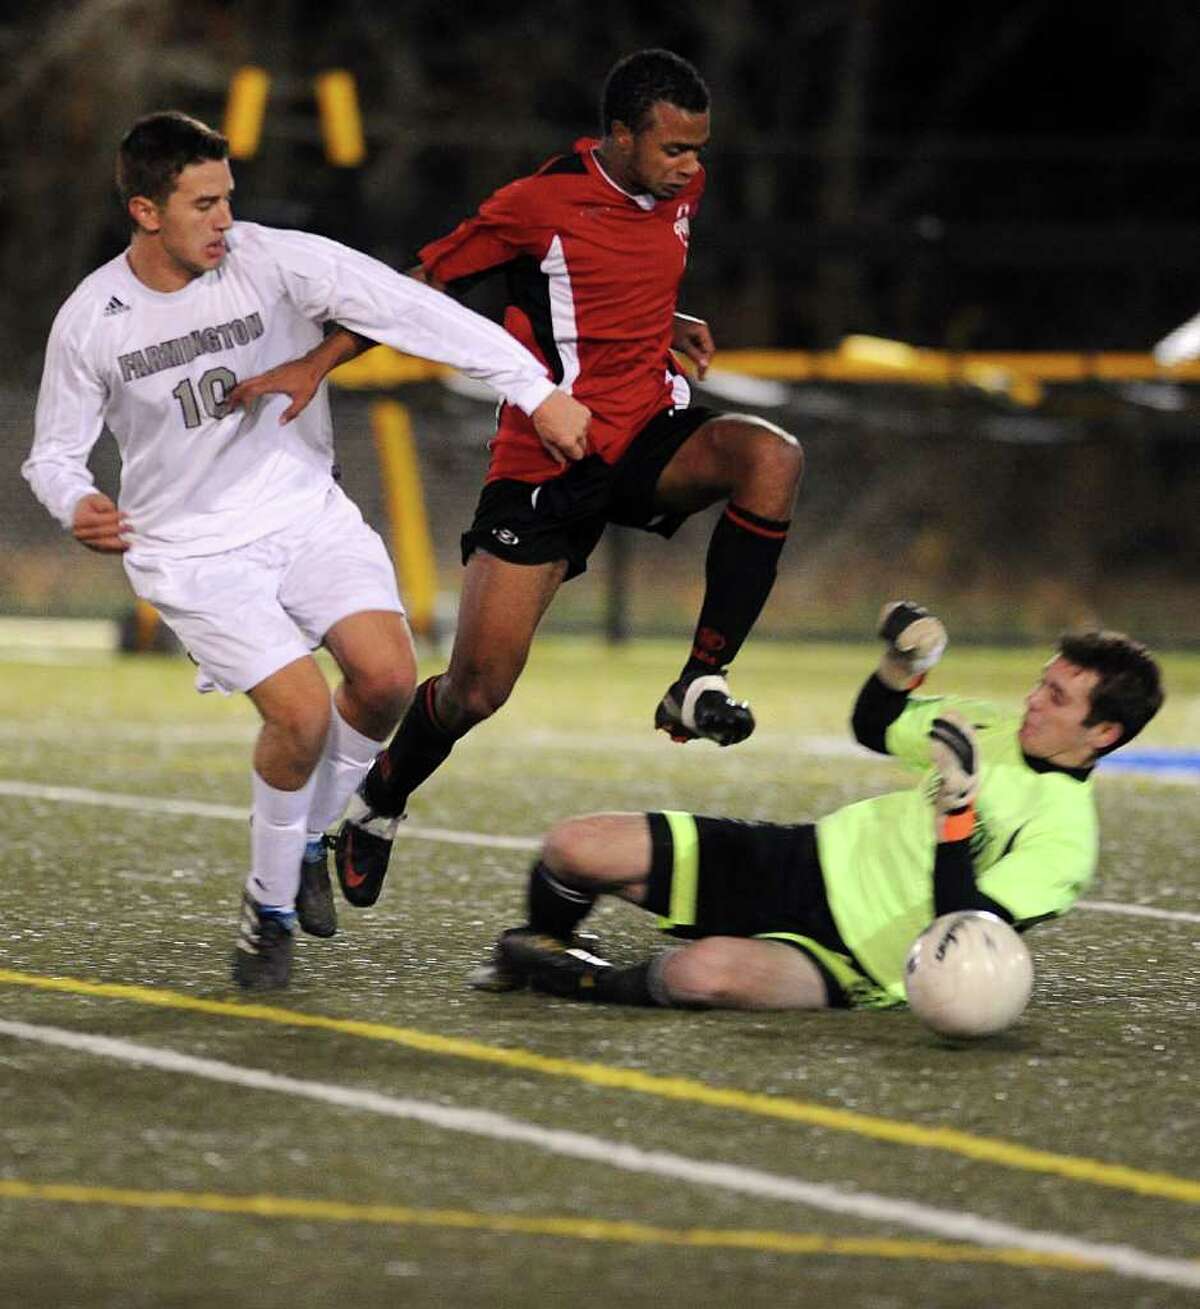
(247, 613)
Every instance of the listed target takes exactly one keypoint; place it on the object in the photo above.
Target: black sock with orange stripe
(419, 748)
(739, 573)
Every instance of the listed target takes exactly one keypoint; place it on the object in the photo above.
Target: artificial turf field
(380, 1134)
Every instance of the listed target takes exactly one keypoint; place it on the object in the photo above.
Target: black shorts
(564, 518)
(724, 877)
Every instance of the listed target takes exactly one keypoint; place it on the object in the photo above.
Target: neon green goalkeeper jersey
(1034, 848)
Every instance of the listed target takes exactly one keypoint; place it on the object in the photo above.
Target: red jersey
(593, 275)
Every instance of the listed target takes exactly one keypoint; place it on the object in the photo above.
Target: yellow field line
(986, 1149)
(579, 1229)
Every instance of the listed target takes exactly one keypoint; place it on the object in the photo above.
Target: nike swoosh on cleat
(352, 878)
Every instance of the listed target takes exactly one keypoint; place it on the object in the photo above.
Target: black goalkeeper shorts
(725, 877)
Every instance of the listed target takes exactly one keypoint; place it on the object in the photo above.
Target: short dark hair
(157, 148)
(640, 80)
(1128, 689)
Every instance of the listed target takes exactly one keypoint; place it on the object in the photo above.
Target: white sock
(344, 763)
(277, 838)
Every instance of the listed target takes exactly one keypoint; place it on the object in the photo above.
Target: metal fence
(1015, 524)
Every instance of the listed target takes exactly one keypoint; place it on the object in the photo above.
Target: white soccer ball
(968, 974)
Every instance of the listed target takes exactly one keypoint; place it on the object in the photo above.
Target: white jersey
(156, 368)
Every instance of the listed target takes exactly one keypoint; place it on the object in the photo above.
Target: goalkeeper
(817, 915)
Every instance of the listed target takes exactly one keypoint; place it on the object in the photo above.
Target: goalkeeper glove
(956, 758)
(916, 641)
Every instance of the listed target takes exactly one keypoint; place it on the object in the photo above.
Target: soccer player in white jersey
(231, 522)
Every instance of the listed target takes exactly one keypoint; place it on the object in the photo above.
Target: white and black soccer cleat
(262, 957)
(361, 850)
(701, 708)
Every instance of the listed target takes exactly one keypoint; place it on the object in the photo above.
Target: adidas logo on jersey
(115, 306)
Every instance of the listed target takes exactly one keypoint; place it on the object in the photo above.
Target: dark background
(1015, 176)
(1018, 176)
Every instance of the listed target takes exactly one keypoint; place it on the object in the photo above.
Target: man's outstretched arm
(433, 326)
(916, 641)
(298, 379)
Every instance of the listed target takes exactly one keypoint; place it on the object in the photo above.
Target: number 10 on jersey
(211, 393)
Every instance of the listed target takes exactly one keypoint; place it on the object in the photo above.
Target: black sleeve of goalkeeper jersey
(875, 710)
(954, 882)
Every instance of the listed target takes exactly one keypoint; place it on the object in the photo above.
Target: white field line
(243, 733)
(200, 809)
(50, 635)
(1138, 911)
(53, 658)
(765, 743)
(955, 1224)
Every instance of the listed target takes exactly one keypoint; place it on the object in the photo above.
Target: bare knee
(297, 730)
(566, 847)
(770, 461)
(608, 852)
(470, 694)
(382, 692)
(374, 650)
(703, 973)
(780, 453)
(757, 464)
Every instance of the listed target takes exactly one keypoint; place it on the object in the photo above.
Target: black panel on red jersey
(529, 291)
(568, 163)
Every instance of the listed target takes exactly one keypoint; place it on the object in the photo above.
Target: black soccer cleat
(495, 973)
(549, 965)
(315, 910)
(701, 708)
(499, 973)
(361, 850)
(262, 958)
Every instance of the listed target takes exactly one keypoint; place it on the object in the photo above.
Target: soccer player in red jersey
(593, 247)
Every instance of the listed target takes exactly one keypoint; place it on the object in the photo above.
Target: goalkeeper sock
(639, 984)
(625, 985)
(739, 571)
(554, 908)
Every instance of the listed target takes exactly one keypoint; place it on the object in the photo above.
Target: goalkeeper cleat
(701, 708)
(315, 909)
(262, 958)
(362, 848)
(495, 973)
(498, 973)
(549, 965)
